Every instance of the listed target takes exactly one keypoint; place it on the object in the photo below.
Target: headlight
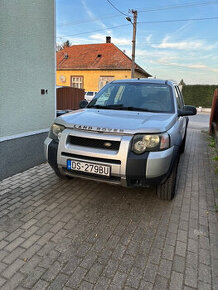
(55, 131)
(142, 143)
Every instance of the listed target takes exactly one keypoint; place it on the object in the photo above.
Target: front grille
(94, 143)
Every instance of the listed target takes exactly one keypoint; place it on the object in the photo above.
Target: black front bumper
(52, 156)
(135, 168)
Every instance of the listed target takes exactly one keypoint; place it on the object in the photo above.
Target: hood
(113, 121)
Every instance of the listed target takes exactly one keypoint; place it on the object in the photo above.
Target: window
(103, 80)
(77, 82)
(105, 94)
(118, 96)
(132, 96)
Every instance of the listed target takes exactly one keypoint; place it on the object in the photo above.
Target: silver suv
(131, 134)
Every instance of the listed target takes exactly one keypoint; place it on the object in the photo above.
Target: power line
(204, 3)
(112, 27)
(156, 43)
(178, 20)
(86, 21)
(185, 5)
(116, 8)
(147, 22)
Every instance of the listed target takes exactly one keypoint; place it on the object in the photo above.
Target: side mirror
(83, 104)
(187, 111)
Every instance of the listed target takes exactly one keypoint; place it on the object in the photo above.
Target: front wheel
(182, 148)
(166, 190)
(61, 176)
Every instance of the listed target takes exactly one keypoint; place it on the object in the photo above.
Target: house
(91, 66)
(27, 94)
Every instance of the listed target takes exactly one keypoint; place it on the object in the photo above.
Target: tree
(60, 46)
(182, 83)
(67, 44)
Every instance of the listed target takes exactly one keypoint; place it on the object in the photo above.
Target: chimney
(108, 39)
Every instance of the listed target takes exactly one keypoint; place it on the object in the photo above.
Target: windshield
(135, 96)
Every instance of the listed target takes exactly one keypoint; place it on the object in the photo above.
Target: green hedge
(199, 95)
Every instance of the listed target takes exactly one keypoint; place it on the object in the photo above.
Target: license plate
(88, 167)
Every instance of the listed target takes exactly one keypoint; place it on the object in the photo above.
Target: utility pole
(134, 12)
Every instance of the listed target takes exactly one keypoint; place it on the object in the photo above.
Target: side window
(178, 99)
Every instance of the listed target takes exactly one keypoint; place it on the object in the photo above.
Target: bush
(199, 95)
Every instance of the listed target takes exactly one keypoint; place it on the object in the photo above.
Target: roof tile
(94, 56)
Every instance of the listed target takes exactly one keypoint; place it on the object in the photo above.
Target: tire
(182, 147)
(166, 190)
(61, 176)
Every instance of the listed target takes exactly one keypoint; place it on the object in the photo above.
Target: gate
(68, 98)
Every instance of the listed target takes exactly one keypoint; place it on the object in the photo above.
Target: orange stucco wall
(91, 77)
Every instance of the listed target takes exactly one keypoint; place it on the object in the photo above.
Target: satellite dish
(62, 79)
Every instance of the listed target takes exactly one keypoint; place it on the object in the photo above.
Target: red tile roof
(95, 56)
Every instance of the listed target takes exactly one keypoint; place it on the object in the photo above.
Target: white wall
(27, 58)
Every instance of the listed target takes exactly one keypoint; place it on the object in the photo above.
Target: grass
(212, 144)
(215, 158)
(213, 152)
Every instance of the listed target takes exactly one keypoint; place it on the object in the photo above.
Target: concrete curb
(204, 110)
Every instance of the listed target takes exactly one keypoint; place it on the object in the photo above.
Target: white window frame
(77, 82)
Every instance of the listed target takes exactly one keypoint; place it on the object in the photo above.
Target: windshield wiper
(110, 107)
(121, 107)
(138, 109)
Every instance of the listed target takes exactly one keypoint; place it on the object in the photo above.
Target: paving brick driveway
(78, 234)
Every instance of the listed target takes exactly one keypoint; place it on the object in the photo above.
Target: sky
(171, 42)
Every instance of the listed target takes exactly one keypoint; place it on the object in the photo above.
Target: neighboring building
(91, 66)
(27, 92)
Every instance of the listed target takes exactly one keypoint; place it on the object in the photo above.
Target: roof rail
(172, 81)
